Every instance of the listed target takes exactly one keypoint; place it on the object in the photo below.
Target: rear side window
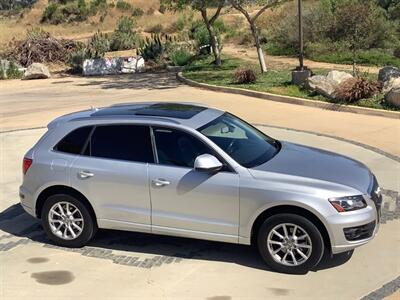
(74, 141)
(123, 142)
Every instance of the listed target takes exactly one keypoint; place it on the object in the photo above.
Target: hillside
(15, 27)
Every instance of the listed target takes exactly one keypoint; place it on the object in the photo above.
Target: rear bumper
(26, 199)
(367, 220)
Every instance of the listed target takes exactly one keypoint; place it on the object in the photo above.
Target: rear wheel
(67, 221)
(290, 243)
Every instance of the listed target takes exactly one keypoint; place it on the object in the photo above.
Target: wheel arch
(62, 189)
(292, 210)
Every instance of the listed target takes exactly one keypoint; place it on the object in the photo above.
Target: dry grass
(16, 28)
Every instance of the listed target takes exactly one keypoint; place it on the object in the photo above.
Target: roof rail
(158, 102)
(124, 117)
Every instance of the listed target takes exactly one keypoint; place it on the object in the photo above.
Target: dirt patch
(53, 277)
(283, 62)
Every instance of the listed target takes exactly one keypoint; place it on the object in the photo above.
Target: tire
(273, 247)
(82, 218)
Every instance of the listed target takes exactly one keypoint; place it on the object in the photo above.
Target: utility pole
(301, 34)
(301, 74)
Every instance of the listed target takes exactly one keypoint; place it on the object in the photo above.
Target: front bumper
(364, 221)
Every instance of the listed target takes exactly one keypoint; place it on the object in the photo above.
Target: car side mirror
(207, 163)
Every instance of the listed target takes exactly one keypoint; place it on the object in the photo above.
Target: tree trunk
(214, 43)
(260, 52)
(354, 63)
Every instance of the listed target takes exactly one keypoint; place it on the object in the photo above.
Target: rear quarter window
(75, 141)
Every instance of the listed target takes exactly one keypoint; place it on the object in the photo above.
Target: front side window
(178, 148)
(74, 142)
(245, 144)
(122, 142)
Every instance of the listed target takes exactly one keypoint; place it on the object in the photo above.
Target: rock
(113, 65)
(393, 97)
(337, 77)
(322, 85)
(392, 83)
(36, 71)
(133, 65)
(386, 73)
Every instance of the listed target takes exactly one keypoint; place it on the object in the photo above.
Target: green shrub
(137, 12)
(65, 12)
(180, 57)
(123, 5)
(12, 71)
(98, 45)
(155, 47)
(76, 59)
(124, 37)
(163, 8)
(49, 12)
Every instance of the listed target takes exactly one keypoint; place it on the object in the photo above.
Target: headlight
(350, 203)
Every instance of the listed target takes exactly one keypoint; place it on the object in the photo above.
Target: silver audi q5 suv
(188, 170)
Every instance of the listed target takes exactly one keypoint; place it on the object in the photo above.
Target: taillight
(26, 164)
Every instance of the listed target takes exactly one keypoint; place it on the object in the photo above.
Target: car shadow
(17, 223)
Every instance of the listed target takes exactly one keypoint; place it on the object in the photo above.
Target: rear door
(112, 173)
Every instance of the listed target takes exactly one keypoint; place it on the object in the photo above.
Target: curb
(292, 100)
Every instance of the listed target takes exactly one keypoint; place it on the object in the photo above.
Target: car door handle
(85, 174)
(160, 182)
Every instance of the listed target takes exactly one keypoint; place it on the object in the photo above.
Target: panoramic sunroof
(169, 110)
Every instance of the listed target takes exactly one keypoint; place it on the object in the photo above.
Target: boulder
(386, 73)
(392, 83)
(113, 66)
(393, 97)
(337, 77)
(36, 71)
(322, 85)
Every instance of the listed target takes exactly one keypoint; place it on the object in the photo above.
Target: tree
(360, 25)
(202, 6)
(241, 6)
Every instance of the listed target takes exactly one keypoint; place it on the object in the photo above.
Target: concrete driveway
(138, 266)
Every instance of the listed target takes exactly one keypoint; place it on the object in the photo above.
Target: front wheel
(67, 221)
(290, 243)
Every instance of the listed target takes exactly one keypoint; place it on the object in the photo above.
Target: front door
(187, 202)
(112, 174)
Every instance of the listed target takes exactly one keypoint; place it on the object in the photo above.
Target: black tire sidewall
(89, 228)
(308, 226)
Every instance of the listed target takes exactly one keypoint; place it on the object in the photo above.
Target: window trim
(227, 167)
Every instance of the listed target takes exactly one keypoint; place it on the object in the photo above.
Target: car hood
(313, 163)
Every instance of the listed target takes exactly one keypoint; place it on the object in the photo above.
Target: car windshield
(245, 144)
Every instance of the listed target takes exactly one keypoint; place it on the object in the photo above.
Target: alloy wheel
(65, 220)
(289, 244)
